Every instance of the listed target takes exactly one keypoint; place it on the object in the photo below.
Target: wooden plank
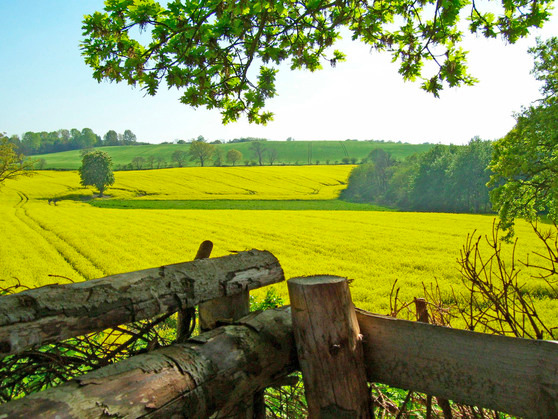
(329, 347)
(209, 373)
(57, 312)
(515, 376)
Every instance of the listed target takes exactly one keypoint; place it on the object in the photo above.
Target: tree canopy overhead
(208, 48)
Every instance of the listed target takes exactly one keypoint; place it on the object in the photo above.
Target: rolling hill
(288, 152)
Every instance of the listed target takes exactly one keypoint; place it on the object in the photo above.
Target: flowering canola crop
(72, 239)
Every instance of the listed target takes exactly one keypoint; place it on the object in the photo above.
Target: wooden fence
(337, 348)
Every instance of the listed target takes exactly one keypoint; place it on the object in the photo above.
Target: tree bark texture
(329, 347)
(212, 372)
(58, 312)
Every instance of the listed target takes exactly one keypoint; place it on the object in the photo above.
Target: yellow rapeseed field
(75, 240)
(199, 183)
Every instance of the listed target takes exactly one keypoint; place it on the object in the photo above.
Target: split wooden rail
(337, 348)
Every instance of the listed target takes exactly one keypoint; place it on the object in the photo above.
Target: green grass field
(288, 152)
(236, 204)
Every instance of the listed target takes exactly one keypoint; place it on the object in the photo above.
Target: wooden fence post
(227, 310)
(422, 316)
(186, 318)
(329, 347)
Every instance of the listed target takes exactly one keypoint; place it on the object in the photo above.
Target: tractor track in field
(68, 252)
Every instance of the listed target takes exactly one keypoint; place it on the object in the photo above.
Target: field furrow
(27, 256)
(73, 257)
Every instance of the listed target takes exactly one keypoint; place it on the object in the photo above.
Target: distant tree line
(63, 140)
(233, 141)
(445, 178)
(204, 154)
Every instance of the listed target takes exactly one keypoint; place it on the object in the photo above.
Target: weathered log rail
(218, 370)
(58, 312)
(212, 372)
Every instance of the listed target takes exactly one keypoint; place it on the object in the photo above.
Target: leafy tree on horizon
(111, 138)
(160, 161)
(129, 137)
(208, 50)
(218, 161)
(151, 161)
(138, 162)
(201, 151)
(86, 139)
(258, 149)
(179, 156)
(272, 155)
(233, 156)
(96, 170)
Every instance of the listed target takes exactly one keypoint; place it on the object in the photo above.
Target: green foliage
(218, 160)
(179, 156)
(111, 138)
(64, 140)
(96, 170)
(444, 179)
(270, 300)
(128, 137)
(525, 162)
(233, 156)
(201, 151)
(258, 148)
(272, 155)
(546, 67)
(138, 162)
(207, 49)
(12, 164)
(525, 166)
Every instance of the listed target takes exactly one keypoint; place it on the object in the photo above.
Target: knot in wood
(334, 349)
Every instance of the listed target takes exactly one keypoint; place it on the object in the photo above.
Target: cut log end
(316, 280)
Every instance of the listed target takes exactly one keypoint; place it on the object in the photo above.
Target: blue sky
(45, 86)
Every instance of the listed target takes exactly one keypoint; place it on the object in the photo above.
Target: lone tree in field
(201, 151)
(207, 49)
(12, 164)
(96, 170)
(233, 156)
